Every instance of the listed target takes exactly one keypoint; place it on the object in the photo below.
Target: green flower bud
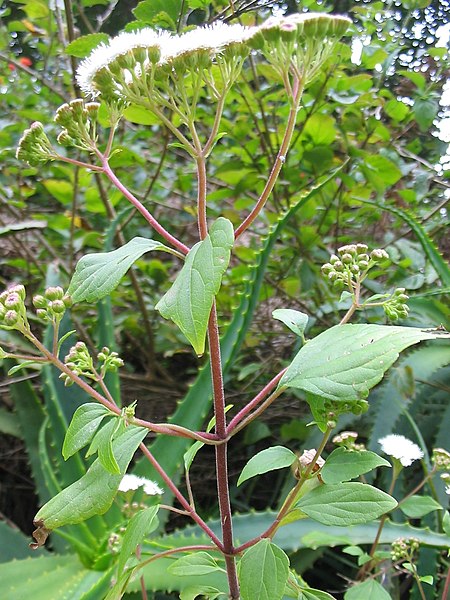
(355, 269)
(42, 314)
(338, 266)
(64, 139)
(11, 318)
(348, 249)
(326, 268)
(39, 301)
(347, 258)
(57, 306)
(361, 249)
(64, 116)
(18, 289)
(441, 459)
(54, 293)
(363, 257)
(378, 254)
(13, 301)
(334, 258)
(363, 264)
(67, 301)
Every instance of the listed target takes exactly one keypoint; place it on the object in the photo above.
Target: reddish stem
(253, 403)
(144, 212)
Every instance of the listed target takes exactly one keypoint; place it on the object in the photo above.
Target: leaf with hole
(294, 319)
(188, 302)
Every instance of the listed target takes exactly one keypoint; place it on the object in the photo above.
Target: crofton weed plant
(171, 77)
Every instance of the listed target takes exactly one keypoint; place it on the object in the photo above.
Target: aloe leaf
(97, 275)
(189, 301)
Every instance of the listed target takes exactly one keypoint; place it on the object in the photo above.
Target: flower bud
(379, 254)
(11, 318)
(18, 289)
(54, 293)
(39, 301)
(13, 301)
(361, 248)
(326, 268)
(41, 313)
(441, 459)
(347, 258)
(57, 306)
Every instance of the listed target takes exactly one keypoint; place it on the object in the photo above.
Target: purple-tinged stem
(141, 208)
(253, 403)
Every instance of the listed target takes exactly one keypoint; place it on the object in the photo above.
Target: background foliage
(376, 109)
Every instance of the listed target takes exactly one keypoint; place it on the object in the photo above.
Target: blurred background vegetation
(376, 107)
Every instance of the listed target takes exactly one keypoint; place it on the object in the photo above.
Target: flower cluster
(52, 304)
(127, 67)
(111, 360)
(403, 548)
(395, 307)
(347, 439)
(13, 313)
(401, 449)
(446, 479)
(78, 120)
(441, 459)
(34, 146)
(79, 361)
(351, 264)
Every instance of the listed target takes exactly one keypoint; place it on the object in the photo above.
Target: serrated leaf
(294, 319)
(346, 504)
(94, 493)
(198, 563)
(140, 525)
(369, 590)
(264, 570)
(85, 422)
(346, 361)
(193, 592)
(188, 302)
(97, 275)
(277, 457)
(416, 507)
(83, 45)
(343, 465)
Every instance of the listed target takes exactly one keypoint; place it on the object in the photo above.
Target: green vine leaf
(345, 504)
(97, 275)
(188, 302)
(277, 457)
(264, 571)
(346, 361)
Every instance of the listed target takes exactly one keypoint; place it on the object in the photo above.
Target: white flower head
(133, 482)
(214, 38)
(399, 447)
(104, 55)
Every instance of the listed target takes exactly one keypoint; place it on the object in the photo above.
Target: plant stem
(201, 196)
(292, 496)
(446, 586)
(221, 454)
(144, 212)
(179, 496)
(253, 403)
(279, 162)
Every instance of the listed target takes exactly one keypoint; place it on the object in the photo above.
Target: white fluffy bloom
(104, 54)
(133, 482)
(214, 38)
(401, 448)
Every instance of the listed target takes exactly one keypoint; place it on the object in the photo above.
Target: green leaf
(446, 523)
(9, 423)
(152, 11)
(264, 570)
(346, 361)
(198, 563)
(94, 493)
(277, 457)
(103, 445)
(311, 594)
(188, 302)
(343, 465)
(97, 275)
(294, 319)
(344, 504)
(193, 592)
(369, 590)
(140, 525)
(23, 365)
(140, 115)
(419, 506)
(83, 45)
(320, 128)
(425, 111)
(85, 422)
